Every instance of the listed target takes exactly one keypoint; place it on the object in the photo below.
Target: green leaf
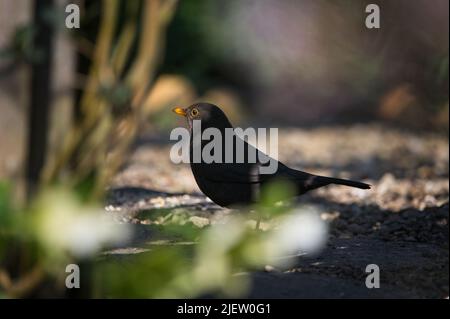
(275, 192)
(5, 204)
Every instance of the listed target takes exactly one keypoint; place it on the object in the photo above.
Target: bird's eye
(194, 112)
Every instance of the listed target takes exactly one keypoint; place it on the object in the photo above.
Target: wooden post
(40, 96)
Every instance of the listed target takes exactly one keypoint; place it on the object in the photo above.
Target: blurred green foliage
(183, 259)
(5, 202)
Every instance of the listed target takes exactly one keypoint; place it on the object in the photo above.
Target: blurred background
(307, 63)
(300, 63)
(88, 110)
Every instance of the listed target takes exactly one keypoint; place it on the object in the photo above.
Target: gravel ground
(400, 225)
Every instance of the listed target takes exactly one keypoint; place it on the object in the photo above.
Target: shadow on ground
(409, 246)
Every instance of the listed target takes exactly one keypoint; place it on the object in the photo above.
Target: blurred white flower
(222, 237)
(213, 261)
(226, 249)
(63, 224)
(303, 231)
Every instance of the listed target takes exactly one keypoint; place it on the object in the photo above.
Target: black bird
(231, 184)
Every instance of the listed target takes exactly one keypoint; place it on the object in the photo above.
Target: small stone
(269, 268)
(386, 182)
(199, 221)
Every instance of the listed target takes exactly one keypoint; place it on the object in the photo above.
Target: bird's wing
(245, 173)
(238, 173)
(242, 173)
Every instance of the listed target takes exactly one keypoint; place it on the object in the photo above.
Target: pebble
(199, 221)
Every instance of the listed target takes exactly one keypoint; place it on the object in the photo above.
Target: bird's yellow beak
(179, 111)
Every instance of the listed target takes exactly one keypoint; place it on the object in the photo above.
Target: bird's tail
(323, 180)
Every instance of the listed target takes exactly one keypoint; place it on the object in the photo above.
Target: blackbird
(236, 183)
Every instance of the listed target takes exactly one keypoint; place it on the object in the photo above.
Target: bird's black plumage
(229, 184)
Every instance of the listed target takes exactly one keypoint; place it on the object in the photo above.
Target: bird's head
(209, 114)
